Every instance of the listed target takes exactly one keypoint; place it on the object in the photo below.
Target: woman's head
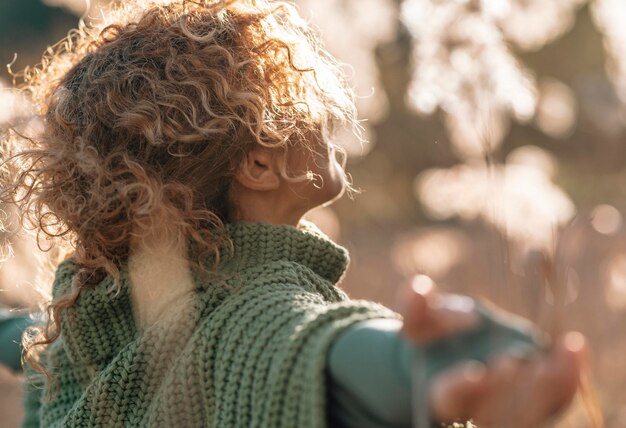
(147, 120)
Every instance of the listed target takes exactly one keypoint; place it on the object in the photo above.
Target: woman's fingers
(510, 392)
(477, 392)
(415, 307)
(506, 393)
(455, 392)
(430, 314)
(556, 379)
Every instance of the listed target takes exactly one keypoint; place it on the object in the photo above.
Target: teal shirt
(11, 328)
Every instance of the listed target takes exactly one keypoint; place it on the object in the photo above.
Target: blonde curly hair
(148, 114)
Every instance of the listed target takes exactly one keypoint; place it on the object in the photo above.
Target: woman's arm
(519, 385)
(370, 365)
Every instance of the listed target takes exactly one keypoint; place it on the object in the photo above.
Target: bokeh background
(496, 160)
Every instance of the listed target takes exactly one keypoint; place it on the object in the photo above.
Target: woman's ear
(259, 171)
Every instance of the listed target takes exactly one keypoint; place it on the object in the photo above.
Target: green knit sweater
(247, 350)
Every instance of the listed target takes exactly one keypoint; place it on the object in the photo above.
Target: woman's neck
(159, 276)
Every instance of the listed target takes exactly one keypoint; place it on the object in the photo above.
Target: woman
(181, 146)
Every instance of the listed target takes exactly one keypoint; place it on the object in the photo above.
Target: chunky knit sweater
(246, 350)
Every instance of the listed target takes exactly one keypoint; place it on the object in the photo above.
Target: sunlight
(556, 109)
(518, 199)
(13, 104)
(609, 16)
(463, 67)
(615, 291)
(531, 24)
(606, 219)
(429, 251)
(351, 30)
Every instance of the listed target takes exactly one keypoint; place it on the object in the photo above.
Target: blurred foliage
(27, 27)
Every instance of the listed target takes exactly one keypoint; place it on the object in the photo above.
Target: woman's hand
(507, 391)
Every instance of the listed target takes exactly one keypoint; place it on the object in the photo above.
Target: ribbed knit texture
(247, 350)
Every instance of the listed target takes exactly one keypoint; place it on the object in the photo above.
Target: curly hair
(146, 117)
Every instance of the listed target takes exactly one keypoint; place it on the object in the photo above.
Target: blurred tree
(27, 27)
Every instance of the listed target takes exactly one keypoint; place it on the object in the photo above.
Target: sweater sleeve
(272, 362)
(370, 366)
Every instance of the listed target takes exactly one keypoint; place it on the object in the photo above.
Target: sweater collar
(257, 244)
